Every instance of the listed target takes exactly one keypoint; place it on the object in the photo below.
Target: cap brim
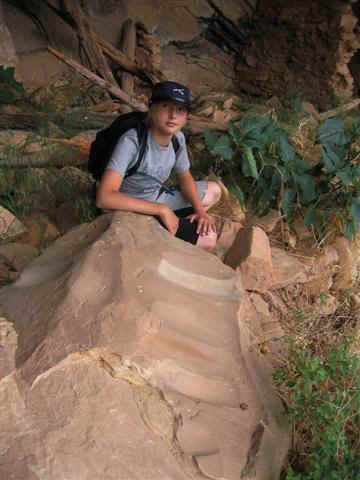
(171, 99)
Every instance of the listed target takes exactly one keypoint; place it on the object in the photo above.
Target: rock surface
(194, 39)
(128, 356)
(10, 226)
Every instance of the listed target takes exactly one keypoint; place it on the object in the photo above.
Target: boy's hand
(205, 223)
(169, 219)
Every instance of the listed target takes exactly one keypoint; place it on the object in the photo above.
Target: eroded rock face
(293, 50)
(196, 41)
(8, 56)
(132, 362)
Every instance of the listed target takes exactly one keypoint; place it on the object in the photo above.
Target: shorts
(182, 208)
(178, 201)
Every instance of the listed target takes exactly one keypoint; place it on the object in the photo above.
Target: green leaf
(298, 105)
(300, 165)
(235, 134)
(245, 168)
(345, 176)
(356, 170)
(355, 212)
(238, 193)
(350, 230)
(286, 150)
(307, 187)
(223, 147)
(254, 124)
(333, 131)
(331, 160)
(288, 200)
(210, 139)
(6, 96)
(264, 202)
(310, 216)
(275, 182)
(250, 159)
(7, 76)
(268, 135)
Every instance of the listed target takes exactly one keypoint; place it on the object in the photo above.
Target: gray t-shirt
(158, 162)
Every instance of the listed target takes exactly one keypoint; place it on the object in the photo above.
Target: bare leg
(207, 242)
(212, 196)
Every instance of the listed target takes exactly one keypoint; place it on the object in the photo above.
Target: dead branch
(127, 64)
(93, 51)
(116, 91)
(197, 124)
(342, 109)
(128, 45)
(116, 55)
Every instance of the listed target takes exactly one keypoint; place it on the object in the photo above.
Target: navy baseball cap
(170, 91)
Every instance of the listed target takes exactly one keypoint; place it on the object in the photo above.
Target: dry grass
(313, 331)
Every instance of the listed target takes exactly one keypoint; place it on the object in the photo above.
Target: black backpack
(105, 142)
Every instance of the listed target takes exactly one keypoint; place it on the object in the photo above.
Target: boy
(143, 192)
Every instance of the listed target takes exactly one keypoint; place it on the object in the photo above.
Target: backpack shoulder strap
(142, 138)
(175, 143)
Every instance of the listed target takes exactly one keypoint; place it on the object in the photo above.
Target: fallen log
(80, 121)
(116, 91)
(77, 121)
(56, 156)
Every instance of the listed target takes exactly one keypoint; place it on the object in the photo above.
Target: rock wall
(263, 48)
(196, 40)
(7, 48)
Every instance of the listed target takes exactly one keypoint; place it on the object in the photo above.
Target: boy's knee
(213, 194)
(207, 242)
(217, 191)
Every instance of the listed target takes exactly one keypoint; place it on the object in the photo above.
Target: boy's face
(168, 117)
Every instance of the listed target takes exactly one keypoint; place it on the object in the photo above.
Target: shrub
(323, 406)
(261, 167)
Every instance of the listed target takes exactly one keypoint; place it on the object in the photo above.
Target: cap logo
(179, 90)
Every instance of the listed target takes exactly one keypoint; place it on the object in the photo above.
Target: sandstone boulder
(127, 356)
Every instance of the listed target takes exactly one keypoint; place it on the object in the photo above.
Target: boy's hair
(171, 91)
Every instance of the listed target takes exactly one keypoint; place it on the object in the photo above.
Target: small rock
(41, 232)
(326, 305)
(10, 226)
(268, 222)
(18, 255)
(310, 109)
(250, 254)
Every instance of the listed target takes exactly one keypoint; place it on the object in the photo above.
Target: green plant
(86, 207)
(10, 89)
(262, 168)
(323, 406)
(324, 297)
